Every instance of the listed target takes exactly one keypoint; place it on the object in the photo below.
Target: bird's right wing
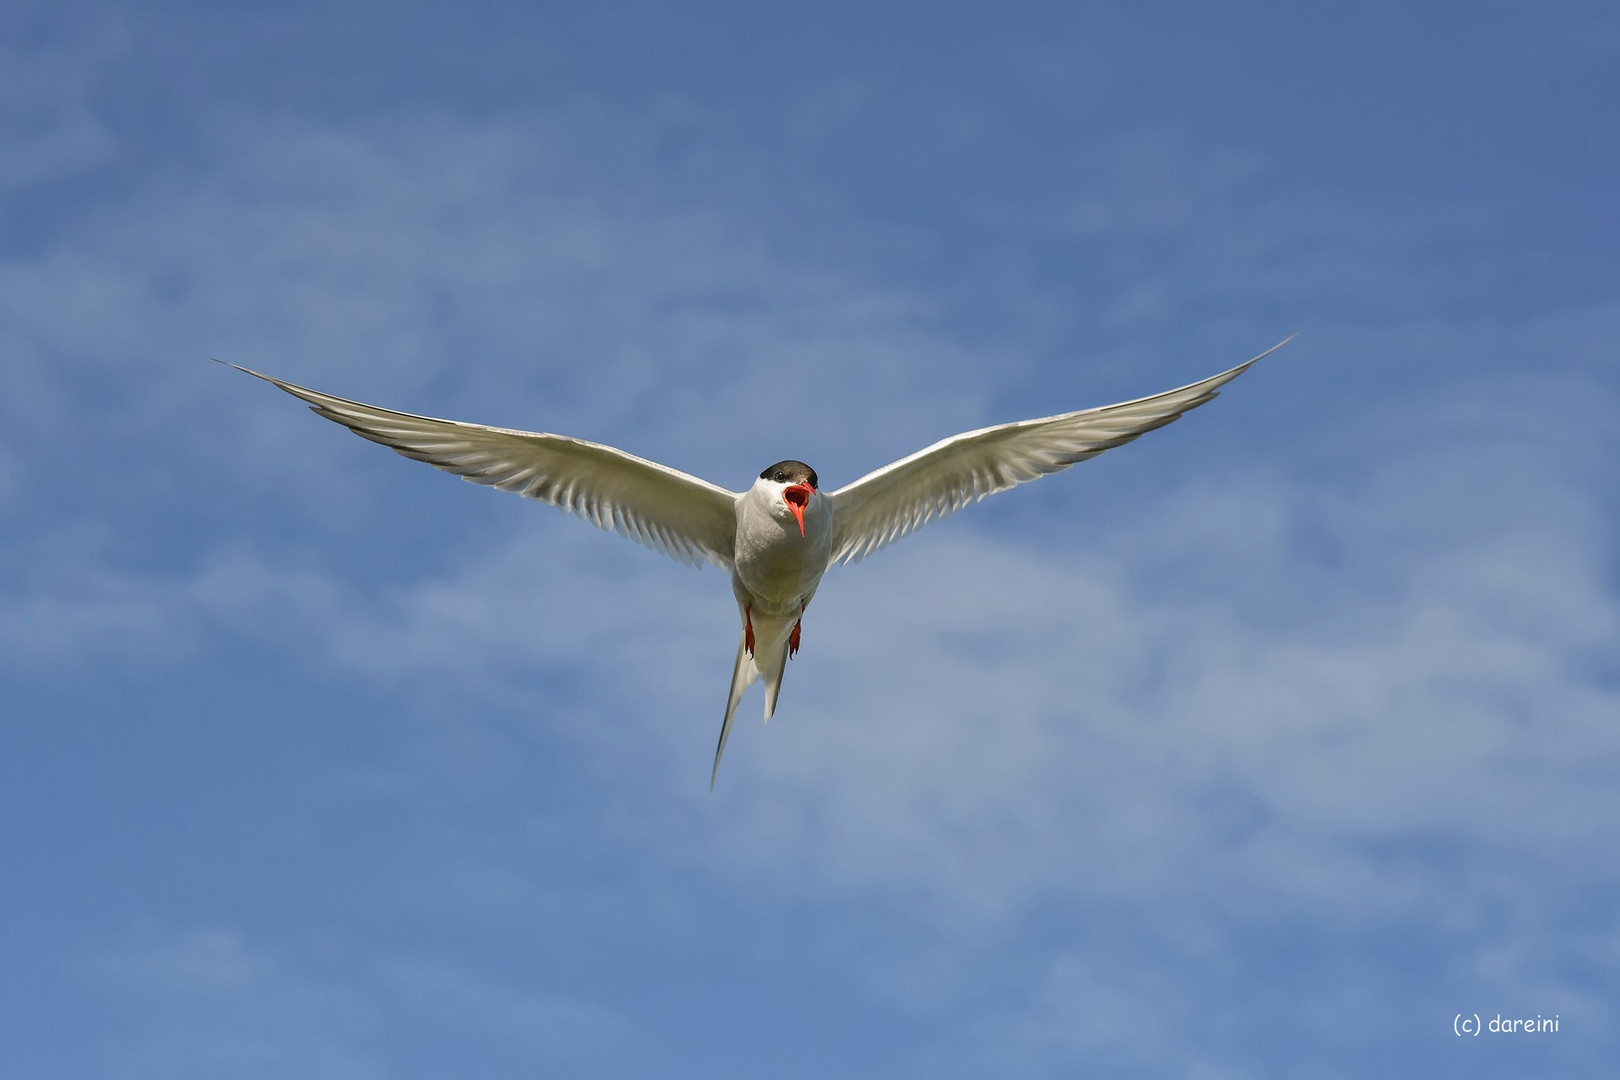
(668, 510)
(934, 483)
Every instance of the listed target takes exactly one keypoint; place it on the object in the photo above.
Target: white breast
(779, 567)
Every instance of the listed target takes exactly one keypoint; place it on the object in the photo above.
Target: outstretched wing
(931, 484)
(680, 515)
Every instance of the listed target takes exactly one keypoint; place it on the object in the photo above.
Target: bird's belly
(781, 569)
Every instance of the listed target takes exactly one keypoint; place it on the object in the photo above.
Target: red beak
(798, 497)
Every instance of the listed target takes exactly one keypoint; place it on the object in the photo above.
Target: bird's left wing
(934, 483)
(690, 519)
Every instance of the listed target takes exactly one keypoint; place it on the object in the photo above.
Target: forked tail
(743, 675)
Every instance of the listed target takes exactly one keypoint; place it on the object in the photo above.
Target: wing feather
(885, 505)
(665, 509)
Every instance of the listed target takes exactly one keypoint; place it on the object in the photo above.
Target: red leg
(748, 629)
(793, 638)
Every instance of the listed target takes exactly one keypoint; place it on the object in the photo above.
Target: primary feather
(667, 510)
(885, 505)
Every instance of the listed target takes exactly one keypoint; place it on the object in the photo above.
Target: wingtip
(1226, 376)
(247, 371)
(1277, 346)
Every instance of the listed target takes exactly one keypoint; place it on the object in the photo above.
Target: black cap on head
(791, 472)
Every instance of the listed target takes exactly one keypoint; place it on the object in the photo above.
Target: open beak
(797, 496)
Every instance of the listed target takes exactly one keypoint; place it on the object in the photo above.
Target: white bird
(781, 535)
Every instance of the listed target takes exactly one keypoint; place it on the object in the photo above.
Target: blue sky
(1261, 747)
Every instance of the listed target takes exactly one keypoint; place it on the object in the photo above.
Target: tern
(780, 536)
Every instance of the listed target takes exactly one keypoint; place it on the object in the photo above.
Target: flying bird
(782, 534)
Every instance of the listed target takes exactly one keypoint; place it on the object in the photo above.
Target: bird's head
(797, 482)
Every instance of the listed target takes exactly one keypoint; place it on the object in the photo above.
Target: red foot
(748, 630)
